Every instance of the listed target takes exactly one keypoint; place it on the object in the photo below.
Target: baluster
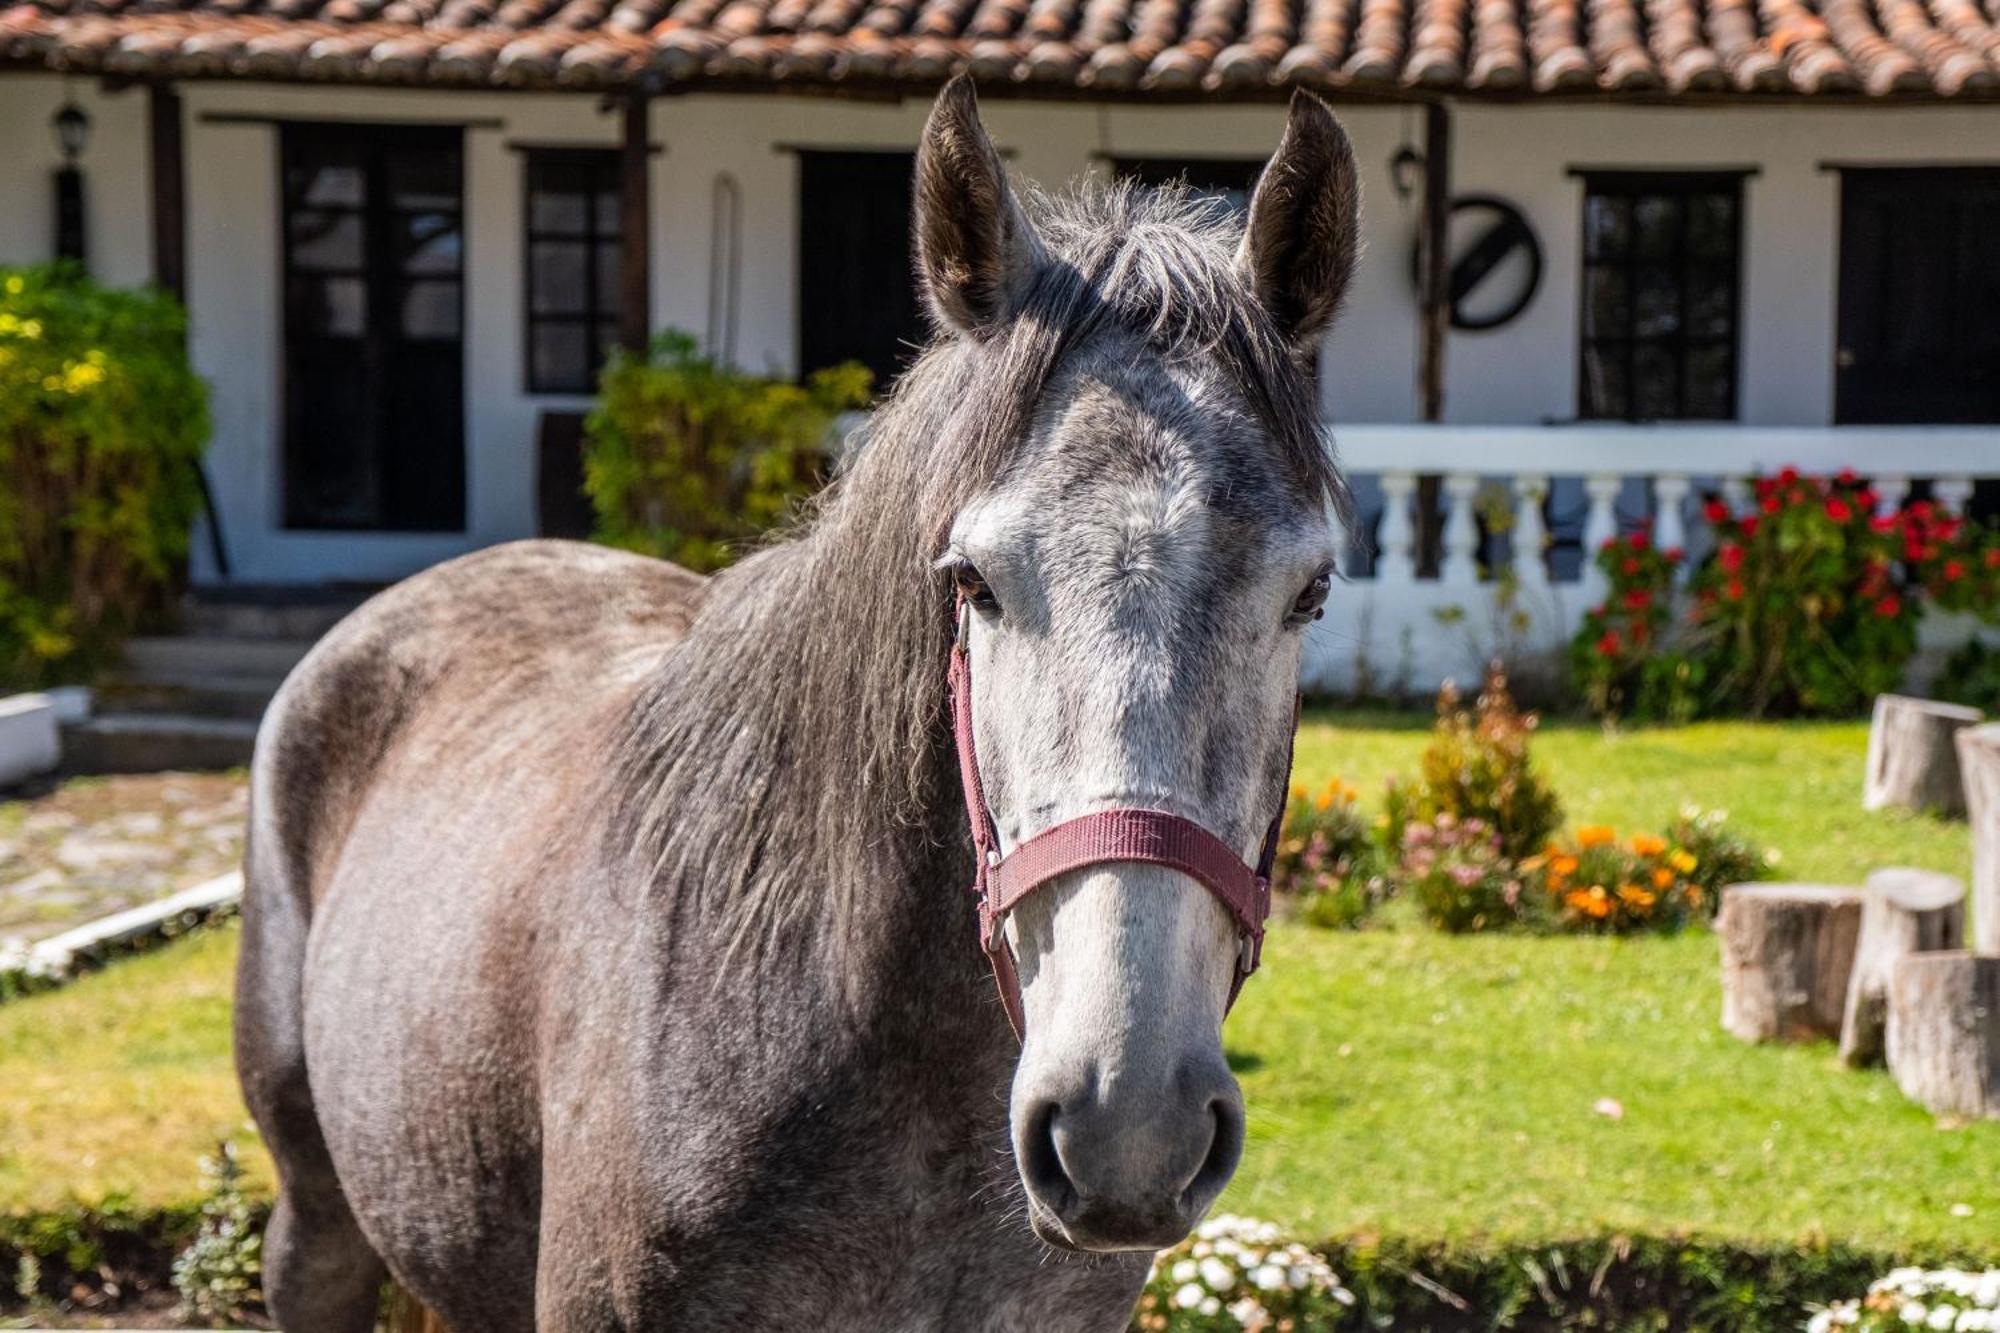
(1952, 493)
(1600, 527)
(1891, 489)
(1670, 492)
(1460, 567)
(1397, 563)
(1531, 535)
(1736, 494)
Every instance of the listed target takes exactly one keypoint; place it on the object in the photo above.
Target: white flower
(1267, 1277)
(1186, 1270)
(1914, 1313)
(1943, 1317)
(1211, 1307)
(1190, 1296)
(1251, 1315)
(1218, 1275)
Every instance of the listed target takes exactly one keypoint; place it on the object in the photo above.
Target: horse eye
(972, 587)
(1311, 601)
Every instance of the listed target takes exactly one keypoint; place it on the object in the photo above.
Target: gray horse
(607, 956)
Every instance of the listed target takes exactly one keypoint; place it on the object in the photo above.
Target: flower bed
(1949, 1299)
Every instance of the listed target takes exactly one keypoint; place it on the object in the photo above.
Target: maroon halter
(1152, 837)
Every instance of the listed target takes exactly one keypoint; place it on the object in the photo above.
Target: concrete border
(30, 742)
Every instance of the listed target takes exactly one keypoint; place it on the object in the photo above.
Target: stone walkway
(92, 846)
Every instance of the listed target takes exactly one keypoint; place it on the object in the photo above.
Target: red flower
(1731, 557)
(1771, 504)
(1848, 476)
(1631, 566)
(1638, 599)
(1993, 557)
(1639, 541)
(1765, 486)
(1867, 499)
(1839, 510)
(1674, 555)
(1609, 645)
(1788, 476)
(1953, 571)
(1749, 526)
(1888, 607)
(1715, 511)
(1640, 633)
(1884, 524)
(1921, 510)
(1735, 590)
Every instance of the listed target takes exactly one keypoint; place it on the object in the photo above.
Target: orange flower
(1694, 895)
(1596, 835)
(1635, 897)
(1562, 867)
(1646, 844)
(1663, 879)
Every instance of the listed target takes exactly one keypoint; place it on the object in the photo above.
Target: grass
(1400, 1083)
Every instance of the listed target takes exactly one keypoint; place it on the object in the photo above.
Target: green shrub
(691, 461)
(1477, 767)
(102, 424)
(1721, 855)
(1599, 883)
(219, 1275)
(1236, 1274)
(1971, 676)
(1459, 877)
(1328, 857)
(1618, 658)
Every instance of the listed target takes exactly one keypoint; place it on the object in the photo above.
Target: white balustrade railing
(1409, 616)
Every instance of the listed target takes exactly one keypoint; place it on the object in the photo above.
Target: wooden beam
(1436, 285)
(169, 172)
(635, 270)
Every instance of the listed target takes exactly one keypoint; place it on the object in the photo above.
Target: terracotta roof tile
(1228, 49)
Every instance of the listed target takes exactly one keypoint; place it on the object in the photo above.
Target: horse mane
(791, 756)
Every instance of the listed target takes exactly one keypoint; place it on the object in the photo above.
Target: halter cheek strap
(1147, 837)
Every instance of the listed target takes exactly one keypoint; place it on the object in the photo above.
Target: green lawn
(1400, 1083)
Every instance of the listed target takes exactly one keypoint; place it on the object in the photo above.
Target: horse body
(607, 962)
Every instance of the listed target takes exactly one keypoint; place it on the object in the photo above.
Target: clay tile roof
(1644, 50)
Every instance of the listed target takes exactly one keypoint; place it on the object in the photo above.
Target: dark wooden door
(373, 314)
(858, 297)
(1919, 296)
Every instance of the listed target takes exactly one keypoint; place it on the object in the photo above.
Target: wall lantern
(72, 129)
(1406, 171)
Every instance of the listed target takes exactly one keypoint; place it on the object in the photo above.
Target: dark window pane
(424, 178)
(430, 310)
(607, 275)
(557, 271)
(1656, 302)
(607, 338)
(1607, 308)
(429, 242)
(1712, 226)
(559, 211)
(1710, 369)
(327, 307)
(331, 185)
(607, 210)
(559, 358)
(1711, 296)
(1655, 224)
(1604, 388)
(1607, 225)
(1655, 391)
(326, 240)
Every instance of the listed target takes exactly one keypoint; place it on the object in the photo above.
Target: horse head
(1133, 586)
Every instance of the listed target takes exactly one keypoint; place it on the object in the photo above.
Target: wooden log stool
(1911, 760)
(1787, 951)
(1903, 911)
(1979, 762)
(1944, 1032)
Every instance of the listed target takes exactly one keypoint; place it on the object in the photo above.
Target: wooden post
(1787, 952)
(1905, 912)
(169, 171)
(1944, 1033)
(1911, 762)
(1979, 768)
(635, 270)
(1434, 290)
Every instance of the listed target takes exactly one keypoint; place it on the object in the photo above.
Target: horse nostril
(1225, 1150)
(1041, 1163)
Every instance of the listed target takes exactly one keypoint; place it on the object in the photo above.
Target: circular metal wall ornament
(1496, 262)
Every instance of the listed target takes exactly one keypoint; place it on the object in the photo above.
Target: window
(1227, 179)
(858, 296)
(373, 253)
(1661, 268)
(572, 248)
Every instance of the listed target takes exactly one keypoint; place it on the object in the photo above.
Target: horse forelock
(792, 756)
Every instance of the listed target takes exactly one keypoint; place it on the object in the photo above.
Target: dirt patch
(87, 847)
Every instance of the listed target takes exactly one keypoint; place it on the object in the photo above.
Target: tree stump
(406, 1314)
(1911, 762)
(1787, 950)
(1944, 1032)
(1979, 761)
(1902, 912)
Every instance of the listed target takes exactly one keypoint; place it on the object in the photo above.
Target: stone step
(177, 656)
(190, 694)
(274, 613)
(156, 743)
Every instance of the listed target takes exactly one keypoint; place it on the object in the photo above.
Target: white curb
(57, 951)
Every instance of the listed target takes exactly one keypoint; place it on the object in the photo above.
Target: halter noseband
(1150, 837)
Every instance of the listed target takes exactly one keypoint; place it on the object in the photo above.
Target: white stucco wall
(1522, 374)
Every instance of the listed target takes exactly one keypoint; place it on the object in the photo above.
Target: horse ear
(974, 245)
(1298, 250)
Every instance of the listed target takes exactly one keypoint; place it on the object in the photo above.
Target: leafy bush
(1477, 767)
(1721, 855)
(1971, 676)
(102, 424)
(1328, 857)
(1601, 884)
(689, 461)
(1458, 875)
(1912, 1298)
(219, 1276)
(1236, 1273)
(1809, 606)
